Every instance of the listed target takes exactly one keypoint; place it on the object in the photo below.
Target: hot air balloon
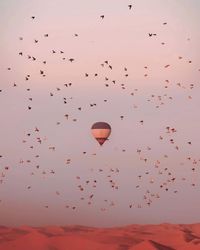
(101, 131)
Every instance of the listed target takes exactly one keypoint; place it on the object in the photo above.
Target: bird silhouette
(130, 6)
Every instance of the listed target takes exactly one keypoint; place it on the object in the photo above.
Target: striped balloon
(101, 131)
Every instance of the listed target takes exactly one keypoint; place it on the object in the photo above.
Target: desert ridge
(132, 237)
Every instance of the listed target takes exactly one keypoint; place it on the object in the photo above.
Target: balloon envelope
(101, 131)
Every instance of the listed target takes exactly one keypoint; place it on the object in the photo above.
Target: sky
(138, 176)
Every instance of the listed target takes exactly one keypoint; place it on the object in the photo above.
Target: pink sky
(122, 39)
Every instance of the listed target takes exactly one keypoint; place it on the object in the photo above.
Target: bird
(152, 34)
(36, 129)
(130, 6)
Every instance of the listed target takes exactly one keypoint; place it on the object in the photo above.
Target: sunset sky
(162, 89)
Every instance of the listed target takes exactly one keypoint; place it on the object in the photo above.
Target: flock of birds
(35, 135)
